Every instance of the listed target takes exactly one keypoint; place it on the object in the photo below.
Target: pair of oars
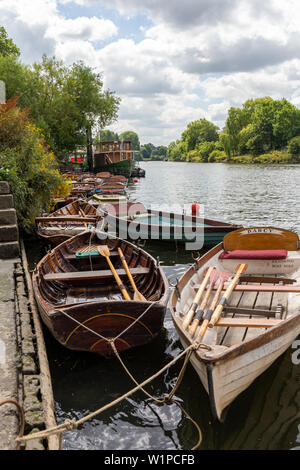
(104, 251)
(214, 312)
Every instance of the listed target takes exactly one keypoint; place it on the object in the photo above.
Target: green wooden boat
(133, 221)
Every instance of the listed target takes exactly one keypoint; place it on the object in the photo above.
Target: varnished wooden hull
(107, 319)
(84, 314)
(55, 232)
(227, 368)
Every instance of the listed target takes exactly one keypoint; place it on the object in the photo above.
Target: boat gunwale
(163, 301)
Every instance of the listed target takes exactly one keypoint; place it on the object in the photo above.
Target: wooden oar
(218, 310)
(137, 295)
(192, 310)
(104, 251)
(83, 215)
(222, 277)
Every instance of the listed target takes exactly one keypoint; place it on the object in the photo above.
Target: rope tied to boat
(69, 425)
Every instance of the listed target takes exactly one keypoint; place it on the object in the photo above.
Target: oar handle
(194, 306)
(124, 262)
(118, 279)
(218, 310)
(199, 313)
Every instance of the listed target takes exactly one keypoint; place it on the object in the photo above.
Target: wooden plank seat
(93, 275)
(260, 288)
(66, 218)
(248, 322)
(86, 256)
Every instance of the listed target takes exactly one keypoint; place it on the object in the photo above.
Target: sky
(170, 61)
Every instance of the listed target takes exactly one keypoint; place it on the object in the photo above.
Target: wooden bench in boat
(66, 218)
(259, 288)
(248, 322)
(86, 256)
(93, 275)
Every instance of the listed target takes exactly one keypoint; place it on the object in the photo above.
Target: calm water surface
(267, 414)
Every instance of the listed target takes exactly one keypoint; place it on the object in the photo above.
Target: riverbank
(275, 157)
(26, 396)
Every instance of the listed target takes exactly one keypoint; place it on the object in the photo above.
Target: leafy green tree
(146, 151)
(68, 103)
(133, 137)
(199, 131)
(106, 136)
(177, 151)
(7, 46)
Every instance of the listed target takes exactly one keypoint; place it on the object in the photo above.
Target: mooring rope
(69, 424)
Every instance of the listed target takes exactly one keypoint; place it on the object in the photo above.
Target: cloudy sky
(170, 61)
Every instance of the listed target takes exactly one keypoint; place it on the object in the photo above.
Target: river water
(266, 415)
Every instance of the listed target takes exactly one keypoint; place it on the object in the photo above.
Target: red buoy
(195, 208)
(135, 180)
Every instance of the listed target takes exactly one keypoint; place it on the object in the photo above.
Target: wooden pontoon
(136, 221)
(81, 302)
(68, 221)
(242, 334)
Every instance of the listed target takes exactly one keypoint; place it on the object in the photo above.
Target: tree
(106, 136)
(7, 46)
(67, 102)
(177, 150)
(199, 131)
(146, 150)
(133, 137)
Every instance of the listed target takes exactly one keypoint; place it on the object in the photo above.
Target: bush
(27, 165)
(216, 156)
(294, 146)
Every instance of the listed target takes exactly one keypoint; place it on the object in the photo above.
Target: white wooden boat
(259, 320)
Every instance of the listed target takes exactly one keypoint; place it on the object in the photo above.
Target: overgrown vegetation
(27, 164)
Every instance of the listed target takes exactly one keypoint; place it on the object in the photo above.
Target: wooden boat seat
(93, 275)
(248, 322)
(86, 254)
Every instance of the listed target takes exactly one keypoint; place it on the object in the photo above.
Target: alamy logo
(134, 221)
(296, 354)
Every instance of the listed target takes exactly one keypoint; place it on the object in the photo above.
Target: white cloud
(199, 57)
(81, 28)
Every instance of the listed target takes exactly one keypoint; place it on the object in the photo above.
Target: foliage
(26, 163)
(133, 137)
(177, 151)
(216, 156)
(7, 46)
(261, 125)
(106, 136)
(67, 103)
(198, 132)
(294, 146)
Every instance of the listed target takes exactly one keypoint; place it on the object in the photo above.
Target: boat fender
(195, 208)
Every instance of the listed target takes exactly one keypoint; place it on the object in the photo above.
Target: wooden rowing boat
(80, 302)
(135, 221)
(68, 221)
(256, 324)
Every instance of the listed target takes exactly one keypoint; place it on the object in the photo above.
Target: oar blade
(103, 250)
(138, 297)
